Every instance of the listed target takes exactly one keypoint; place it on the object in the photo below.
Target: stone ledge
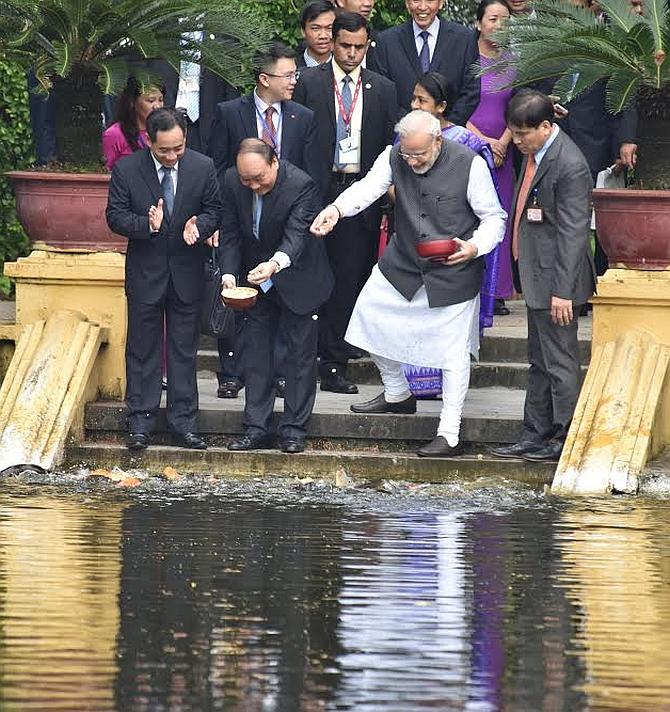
(392, 466)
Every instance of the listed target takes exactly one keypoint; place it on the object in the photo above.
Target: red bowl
(436, 250)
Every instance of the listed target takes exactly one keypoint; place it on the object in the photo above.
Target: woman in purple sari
(488, 122)
(434, 93)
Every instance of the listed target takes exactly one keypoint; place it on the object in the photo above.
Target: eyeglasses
(289, 76)
(407, 156)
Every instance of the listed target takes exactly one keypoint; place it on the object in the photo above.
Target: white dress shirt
(433, 30)
(261, 107)
(481, 195)
(356, 125)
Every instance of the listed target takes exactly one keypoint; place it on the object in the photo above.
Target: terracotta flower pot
(634, 227)
(65, 211)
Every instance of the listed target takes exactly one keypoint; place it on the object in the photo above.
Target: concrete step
(314, 463)
(491, 415)
(363, 371)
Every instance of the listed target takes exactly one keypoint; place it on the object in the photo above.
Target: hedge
(16, 151)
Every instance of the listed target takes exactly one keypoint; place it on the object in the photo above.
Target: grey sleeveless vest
(432, 206)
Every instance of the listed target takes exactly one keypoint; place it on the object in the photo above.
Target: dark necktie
(424, 54)
(168, 190)
(268, 136)
(342, 131)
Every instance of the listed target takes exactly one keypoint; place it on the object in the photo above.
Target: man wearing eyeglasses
(290, 129)
(411, 309)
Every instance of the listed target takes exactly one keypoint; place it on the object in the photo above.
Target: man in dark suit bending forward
(268, 208)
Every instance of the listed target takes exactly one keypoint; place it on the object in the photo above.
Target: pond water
(280, 595)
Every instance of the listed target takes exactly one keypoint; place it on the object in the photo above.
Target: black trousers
(352, 253)
(554, 378)
(263, 322)
(144, 368)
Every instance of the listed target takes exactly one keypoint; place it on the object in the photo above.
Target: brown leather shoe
(381, 405)
(440, 448)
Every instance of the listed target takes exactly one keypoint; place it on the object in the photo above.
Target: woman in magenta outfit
(129, 134)
(488, 122)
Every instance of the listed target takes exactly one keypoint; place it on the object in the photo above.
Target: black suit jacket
(152, 259)
(213, 90)
(597, 132)
(456, 52)
(380, 113)
(236, 120)
(288, 211)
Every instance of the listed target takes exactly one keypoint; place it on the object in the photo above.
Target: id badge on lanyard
(535, 212)
(349, 144)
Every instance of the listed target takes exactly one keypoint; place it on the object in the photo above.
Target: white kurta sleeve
(364, 192)
(484, 202)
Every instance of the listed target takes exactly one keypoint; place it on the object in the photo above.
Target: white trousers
(455, 381)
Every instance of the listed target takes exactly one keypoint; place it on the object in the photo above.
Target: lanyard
(347, 117)
(274, 135)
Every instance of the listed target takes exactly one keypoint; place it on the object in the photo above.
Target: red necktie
(268, 136)
(522, 197)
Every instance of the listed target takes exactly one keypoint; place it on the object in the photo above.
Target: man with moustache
(165, 200)
(356, 110)
(412, 310)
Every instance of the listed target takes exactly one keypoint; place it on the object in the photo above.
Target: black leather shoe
(512, 452)
(355, 354)
(291, 445)
(192, 441)
(137, 441)
(252, 441)
(551, 452)
(229, 388)
(380, 405)
(499, 308)
(280, 387)
(337, 383)
(440, 448)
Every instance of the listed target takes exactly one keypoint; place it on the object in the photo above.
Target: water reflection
(59, 615)
(198, 601)
(616, 570)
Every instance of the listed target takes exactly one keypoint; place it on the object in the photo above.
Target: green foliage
(283, 15)
(562, 40)
(15, 152)
(87, 47)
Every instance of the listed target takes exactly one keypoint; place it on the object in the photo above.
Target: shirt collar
(310, 61)
(432, 29)
(159, 166)
(262, 106)
(552, 137)
(339, 73)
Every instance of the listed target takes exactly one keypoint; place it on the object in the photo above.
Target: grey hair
(418, 122)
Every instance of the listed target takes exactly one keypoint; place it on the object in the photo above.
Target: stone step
(363, 371)
(314, 463)
(491, 415)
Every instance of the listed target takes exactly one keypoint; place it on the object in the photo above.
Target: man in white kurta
(410, 310)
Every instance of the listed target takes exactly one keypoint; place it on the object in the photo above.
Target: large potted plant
(630, 52)
(80, 50)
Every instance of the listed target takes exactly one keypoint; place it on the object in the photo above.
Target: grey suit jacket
(555, 255)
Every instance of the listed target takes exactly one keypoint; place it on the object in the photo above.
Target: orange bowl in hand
(239, 297)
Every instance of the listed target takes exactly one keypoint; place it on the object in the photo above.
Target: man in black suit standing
(165, 200)
(357, 111)
(269, 114)
(316, 23)
(426, 43)
(550, 239)
(268, 208)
